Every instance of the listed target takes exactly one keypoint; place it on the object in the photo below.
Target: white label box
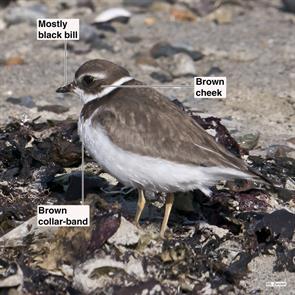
(210, 87)
(58, 29)
(63, 215)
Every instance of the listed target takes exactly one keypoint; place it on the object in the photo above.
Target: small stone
(126, 235)
(79, 47)
(221, 16)
(141, 3)
(220, 232)
(2, 25)
(54, 108)
(26, 101)
(181, 65)
(143, 59)
(132, 39)
(180, 14)
(13, 60)
(201, 7)
(113, 14)
(30, 14)
(87, 32)
(149, 21)
(291, 142)
(165, 49)
(248, 141)
(214, 72)
(277, 150)
(289, 5)
(161, 76)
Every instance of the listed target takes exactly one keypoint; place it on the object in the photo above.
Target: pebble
(132, 39)
(2, 25)
(54, 108)
(26, 101)
(289, 5)
(126, 235)
(291, 142)
(221, 16)
(146, 61)
(161, 76)
(141, 3)
(201, 7)
(87, 32)
(180, 65)
(184, 15)
(278, 150)
(214, 72)
(165, 49)
(113, 14)
(248, 141)
(16, 15)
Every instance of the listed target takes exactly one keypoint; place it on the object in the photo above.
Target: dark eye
(87, 80)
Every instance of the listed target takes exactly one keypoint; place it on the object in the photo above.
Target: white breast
(152, 174)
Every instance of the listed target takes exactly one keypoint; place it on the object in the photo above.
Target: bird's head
(92, 78)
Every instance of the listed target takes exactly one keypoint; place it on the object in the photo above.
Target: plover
(143, 139)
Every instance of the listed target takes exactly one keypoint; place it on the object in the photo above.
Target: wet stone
(162, 76)
(28, 14)
(181, 65)
(26, 101)
(54, 108)
(289, 5)
(165, 49)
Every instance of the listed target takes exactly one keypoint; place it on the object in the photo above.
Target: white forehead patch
(96, 75)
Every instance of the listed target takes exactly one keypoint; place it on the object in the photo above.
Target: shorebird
(143, 139)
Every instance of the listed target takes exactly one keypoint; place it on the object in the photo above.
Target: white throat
(85, 98)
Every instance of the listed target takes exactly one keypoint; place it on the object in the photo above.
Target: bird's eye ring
(87, 80)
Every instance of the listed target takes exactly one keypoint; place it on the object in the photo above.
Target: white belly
(152, 174)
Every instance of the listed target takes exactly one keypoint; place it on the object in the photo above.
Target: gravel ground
(252, 43)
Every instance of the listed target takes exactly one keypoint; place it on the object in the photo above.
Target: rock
(291, 143)
(180, 14)
(289, 5)
(87, 32)
(149, 21)
(161, 76)
(29, 14)
(180, 65)
(113, 14)
(277, 150)
(26, 101)
(126, 235)
(95, 273)
(144, 59)
(248, 141)
(54, 108)
(15, 237)
(165, 49)
(221, 16)
(201, 7)
(13, 60)
(220, 232)
(11, 275)
(66, 4)
(79, 47)
(141, 3)
(2, 25)
(214, 72)
(5, 3)
(132, 39)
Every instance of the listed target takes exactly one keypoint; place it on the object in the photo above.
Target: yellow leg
(168, 207)
(140, 206)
